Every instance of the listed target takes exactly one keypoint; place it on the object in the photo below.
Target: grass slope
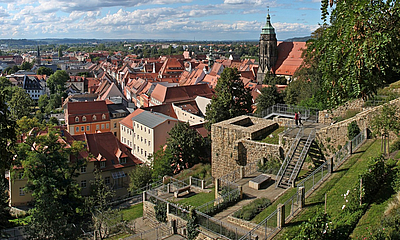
(334, 187)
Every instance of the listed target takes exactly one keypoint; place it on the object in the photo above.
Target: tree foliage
(269, 96)
(103, 216)
(231, 99)
(140, 176)
(162, 161)
(58, 205)
(20, 103)
(45, 71)
(56, 82)
(358, 52)
(186, 146)
(385, 122)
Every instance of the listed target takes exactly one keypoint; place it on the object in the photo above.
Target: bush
(248, 212)
(160, 210)
(271, 166)
(395, 146)
(353, 130)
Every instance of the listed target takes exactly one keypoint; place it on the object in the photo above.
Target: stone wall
(231, 146)
(328, 116)
(336, 134)
(148, 210)
(242, 223)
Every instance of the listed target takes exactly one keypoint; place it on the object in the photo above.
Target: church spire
(268, 28)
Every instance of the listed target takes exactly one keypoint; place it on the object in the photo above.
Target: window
(77, 129)
(102, 164)
(149, 143)
(84, 118)
(83, 128)
(145, 141)
(20, 175)
(107, 180)
(141, 139)
(83, 184)
(141, 127)
(115, 125)
(145, 153)
(87, 128)
(103, 116)
(102, 126)
(97, 127)
(138, 136)
(141, 151)
(107, 125)
(149, 131)
(123, 160)
(138, 149)
(21, 191)
(94, 117)
(83, 169)
(115, 133)
(76, 119)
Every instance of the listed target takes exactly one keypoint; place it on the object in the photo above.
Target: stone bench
(181, 190)
(256, 182)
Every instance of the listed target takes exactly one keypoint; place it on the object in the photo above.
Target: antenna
(268, 10)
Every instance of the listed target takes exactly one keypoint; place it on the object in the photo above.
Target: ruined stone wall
(230, 148)
(148, 210)
(258, 150)
(328, 116)
(334, 135)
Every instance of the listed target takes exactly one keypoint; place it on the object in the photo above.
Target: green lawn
(198, 199)
(275, 137)
(338, 183)
(270, 209)
(132, 212)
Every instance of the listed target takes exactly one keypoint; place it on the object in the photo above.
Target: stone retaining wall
(231, 146)
(334, 135)
(242, 223)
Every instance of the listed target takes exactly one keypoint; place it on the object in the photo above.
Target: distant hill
(298, 39)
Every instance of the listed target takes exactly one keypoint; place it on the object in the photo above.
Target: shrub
(248, 212)
(161, 211)
(353, 130)
(395, 146)
(271, 165)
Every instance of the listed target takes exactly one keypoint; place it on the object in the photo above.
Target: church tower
(38, 57)
(268, 54)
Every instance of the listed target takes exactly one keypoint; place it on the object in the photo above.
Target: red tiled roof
(180, 93)
(87, 109)
(127, 121)
(165, 109)
(289, 57)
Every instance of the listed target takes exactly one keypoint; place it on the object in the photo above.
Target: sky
(156, 19)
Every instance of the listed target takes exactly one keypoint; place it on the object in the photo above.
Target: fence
(223, 229)
(265, 229)
(159, 232)
(219, 203)
(308, 114)
(315, 178)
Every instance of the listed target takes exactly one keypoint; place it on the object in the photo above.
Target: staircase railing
(288, 157)
(302, 156)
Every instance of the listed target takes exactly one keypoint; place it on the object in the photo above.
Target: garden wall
(335, 135)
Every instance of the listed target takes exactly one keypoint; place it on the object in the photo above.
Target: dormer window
(76, 119)
(102, 164)
(123, 160)
(84, 118)
(103, 116)
(94, 117)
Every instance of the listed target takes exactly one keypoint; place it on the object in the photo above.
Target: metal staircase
(294, 161)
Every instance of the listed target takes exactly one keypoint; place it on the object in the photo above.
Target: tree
(103, 216)
(7, 139)
(358, 53)
(56, 82)
(385, 122)
(161, 161)
(231, 99)
(186, 146)
(25, 125)
(43, 102)
(58, 205)
(26, 66)
(20, 103)
(140, 176)
(45, 71)
(269, 96)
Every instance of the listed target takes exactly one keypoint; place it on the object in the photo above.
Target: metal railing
(355, 142)
(265, 229)
(302, 156)
(291, 206)
(313, 180)
(223, 229)
(308, 114)
(216, 204)
(288, 157)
